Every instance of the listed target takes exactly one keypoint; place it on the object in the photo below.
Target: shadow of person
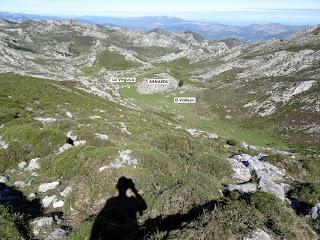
(175, 221)
(118, 219)
(16, 203)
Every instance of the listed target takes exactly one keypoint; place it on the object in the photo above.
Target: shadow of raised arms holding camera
(118, 219)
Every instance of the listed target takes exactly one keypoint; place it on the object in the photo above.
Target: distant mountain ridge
(213, 31)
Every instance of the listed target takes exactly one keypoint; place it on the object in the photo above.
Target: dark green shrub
(306, 192)
(232, 142)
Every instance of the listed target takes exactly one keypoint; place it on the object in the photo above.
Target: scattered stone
(243, 188)
(95, 117)
(198, 133)
(44, 187)
(125, 159)
(315, 211)
(102, 136)
(33, 165)
(80, 142)
(99, 110)
(64, 148)
(19, 184)
(69, 114)
(66, 192)
(124, 128)
(58, 204)
(4, 179)
(3, 144)
(57, 234)
(32, 195)
(46, 120)
(212, 136)
(41, 223)
(22, 165)
(34, 174)
(47, 201)
(258, 235)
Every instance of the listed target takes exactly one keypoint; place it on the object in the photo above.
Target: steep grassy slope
(170, 164)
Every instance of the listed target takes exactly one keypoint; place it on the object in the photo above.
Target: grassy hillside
(170, 164)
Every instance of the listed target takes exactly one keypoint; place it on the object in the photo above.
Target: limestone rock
(79, 142)
(243, 188)
(22, 165)
(267, 185)
(47, 120)
(66, 192)
(44, 187)
(47, 201)
(41, 223)
(58, 204)
(59, 233)
(64, 147)
(125, 159)
(3, 144)
(4, 179)
(241, 172)
(33, 165)
(19, 184)
(315, 211)
(102, 136)
(258, 235)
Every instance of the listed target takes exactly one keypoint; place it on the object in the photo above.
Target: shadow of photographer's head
(124, 184)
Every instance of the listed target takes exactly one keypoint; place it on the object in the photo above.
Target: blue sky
(257, 10)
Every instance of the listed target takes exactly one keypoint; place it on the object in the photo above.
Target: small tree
(181, 83)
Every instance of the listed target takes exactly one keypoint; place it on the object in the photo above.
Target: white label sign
(123, 80)
(185, 100)
(158, 81)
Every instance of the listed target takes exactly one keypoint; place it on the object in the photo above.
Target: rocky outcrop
(258, 235)
(269, 177)
(125, 159)
(44, 187)
(315, 211)
(57, 234)
(241, 172)
(40, 223)
(242, 188)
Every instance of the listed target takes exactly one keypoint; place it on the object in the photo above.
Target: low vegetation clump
(8, 225)
(306, 192)
(232, 142)
(21, 48)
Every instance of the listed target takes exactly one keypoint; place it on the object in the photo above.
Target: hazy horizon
(292, 12)
(287, 17)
